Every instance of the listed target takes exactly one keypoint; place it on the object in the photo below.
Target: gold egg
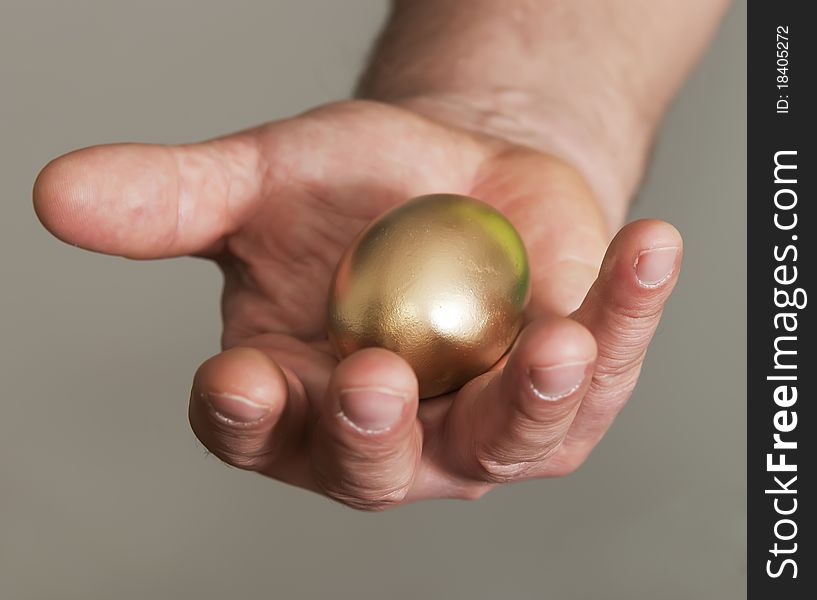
(441, 280)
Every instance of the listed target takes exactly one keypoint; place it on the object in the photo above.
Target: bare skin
(276, 206)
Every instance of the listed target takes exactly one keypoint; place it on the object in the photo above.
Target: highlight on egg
(441, 280)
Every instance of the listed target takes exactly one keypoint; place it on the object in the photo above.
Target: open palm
(276, 206)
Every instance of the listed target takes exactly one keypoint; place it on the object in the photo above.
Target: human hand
(276, 206)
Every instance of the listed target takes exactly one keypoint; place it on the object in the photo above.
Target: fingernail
(371, 410)
(654, 267)
(235, 408)
(557, 382)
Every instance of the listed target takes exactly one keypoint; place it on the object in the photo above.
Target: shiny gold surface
(441, 280)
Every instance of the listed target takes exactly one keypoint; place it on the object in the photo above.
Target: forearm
(587, 80)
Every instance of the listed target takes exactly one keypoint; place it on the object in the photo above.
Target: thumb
(149, 201)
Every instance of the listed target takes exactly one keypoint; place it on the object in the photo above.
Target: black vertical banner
(782, 362)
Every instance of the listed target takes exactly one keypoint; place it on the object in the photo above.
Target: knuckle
(618, 367)
(245, 454)
(618, 374)
(521, 454)
(361, 492)
(239, 460)
(243, 448)
(633, 326)
(245, 462)
(368, 475)
(249, 455)
(647, 309)
(367, 500)
(496, 470)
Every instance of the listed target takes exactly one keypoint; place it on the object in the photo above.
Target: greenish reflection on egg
(441, 280)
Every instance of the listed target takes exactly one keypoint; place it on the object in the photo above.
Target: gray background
(104, 492)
